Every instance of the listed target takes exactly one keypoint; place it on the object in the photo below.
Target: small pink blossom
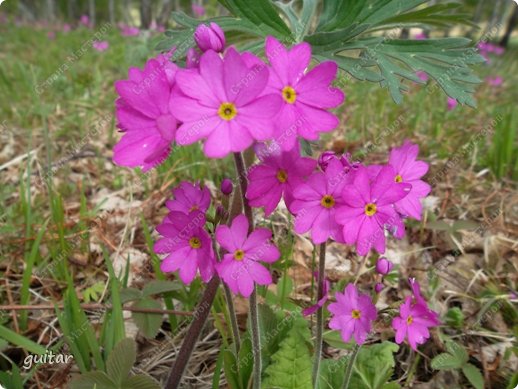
(129, 31)
(85, 21)
(227, 186)
(495, 80)
(187, 245)
(222, 103)
(415, 318)
(67, 28)
(100, 46)
(198, 10)
(383, 266)
(378, 288)
(420, 36)
(320, 303)
(189, 197)
(452, 103)
(306, 97)
(241, 265)
(210, 37)
(409, 170)
(352, 314)
(278, 174)
(368, 208)
(423, 76)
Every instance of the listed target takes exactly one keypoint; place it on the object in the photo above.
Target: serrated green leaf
(148, 323)
(473, 375)
(290, 367)
(458, 351)
(446, 361)
(140, 381)
(160, 286)
(94, 379)
(374, 366)
(121, 360)
(230, 367)
(332, 373)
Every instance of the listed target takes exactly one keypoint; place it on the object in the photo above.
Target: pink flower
(317, 200)
(85, 21)
(423, 76)
(408, 170)
(452, 103)
(241, 266)
(384, 266)
(414, 319)
(278, 174)
(221, 102)
(320, 303)
(227, 186)
(420, 36)
(198, 10)
(129, 31)
(368, 206)
(495, 81)
(188, 245)
(192, 58)
(189, 197)
(378, 288)
(210, 37)
(352, 314)
(66, 28)
(306, 97)
(144, 117)
(100, 45)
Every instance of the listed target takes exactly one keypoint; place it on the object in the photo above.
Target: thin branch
(51, 307)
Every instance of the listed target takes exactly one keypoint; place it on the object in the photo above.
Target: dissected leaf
(374, 366)
(93, 379)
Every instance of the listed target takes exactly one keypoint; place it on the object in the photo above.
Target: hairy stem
(199, 318)
(350, 365)
(320, 315)
(254, 313)
(233, 319)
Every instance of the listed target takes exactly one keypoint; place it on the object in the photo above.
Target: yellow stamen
(398, 179)
(370, 209)
(289, 95)
(327, 201)
(227, 111)
(409, 320)
(356, 314)
(282, 176)
(195, 242)
(239, 255)
(194, 208)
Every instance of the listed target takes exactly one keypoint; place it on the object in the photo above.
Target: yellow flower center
(289, 95)
(356, 314)
(227, 111)
(195, 242)
(194, 208)
(398, 178)
(370, 209)
(282, 176)
(239, 255)
(327, 201)
(409, 320)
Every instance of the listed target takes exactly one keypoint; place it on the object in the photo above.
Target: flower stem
(233, 319)
(199, 318)
(254, 312)
(320, 315)
(350, 365)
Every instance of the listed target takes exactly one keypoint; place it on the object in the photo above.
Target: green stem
(350, 365)
(233, 318)
(320, 314)
(254, 312)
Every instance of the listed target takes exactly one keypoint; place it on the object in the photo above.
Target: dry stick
(320, 314)
(254, 312)
(50, 307)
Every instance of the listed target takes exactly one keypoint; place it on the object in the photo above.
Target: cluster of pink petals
(352, 314)
(129, 30)
(415, 319)
(276, 176)
(495, 80)
(306, 97)
(486, 48)
(144, 115)
(189, 197)
(187, 245)
(198, 10)
(100, 46)
(241, 266)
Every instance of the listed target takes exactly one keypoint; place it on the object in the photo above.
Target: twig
(51, 307)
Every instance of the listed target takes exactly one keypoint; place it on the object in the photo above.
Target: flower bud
(379, 287)
(227, 186)
(324, 159)
(210, 37)
(384, 266)
(193, 58)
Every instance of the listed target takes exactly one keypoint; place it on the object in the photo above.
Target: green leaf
(261, 13)
(94, 379)
(121, 360)
(148, 323)
(332, 373)
(140, 381)
(130, 294)
(291, 364)
(160, 286)
(473, 375)
(21, 341)
(455, 317)
(439, 15)
(374, 366)
(446, 361)
(230, 367)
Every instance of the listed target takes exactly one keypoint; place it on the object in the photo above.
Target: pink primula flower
(352, 314)
(317, 200)
(100, 46)
(144, 117)
(187, 245)
(278, 174)
(222, 103)
(408, 170)
(241, 266)
(306, 97)
(189, 197)
(368, 206)
(415, 318)
(129, 31)
(451, 103)
(495, 81)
